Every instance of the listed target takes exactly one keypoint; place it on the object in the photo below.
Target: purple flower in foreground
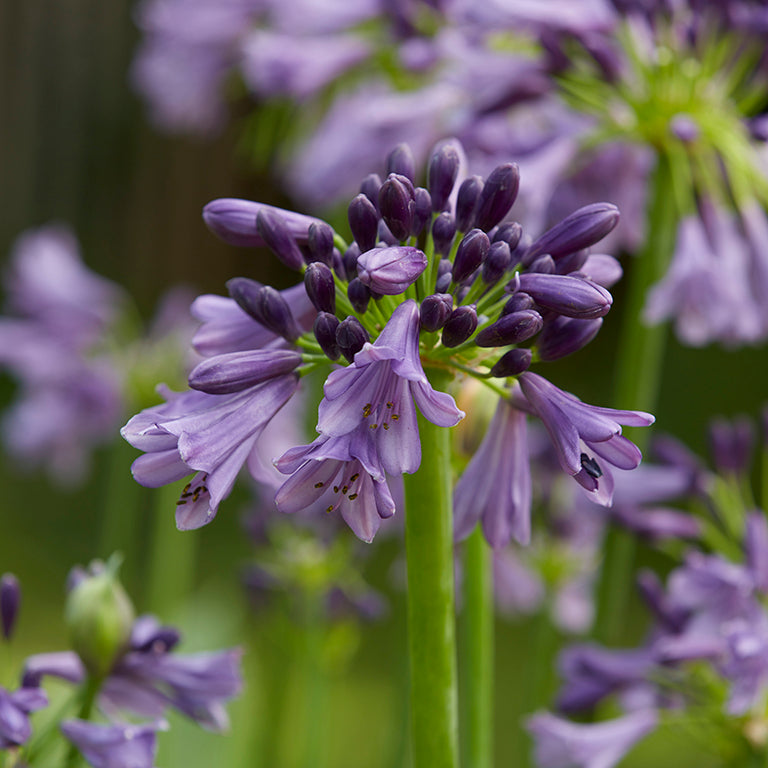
(380, 389)
(576, 427)
(496, 486)
(562, 744)
(119, 745)
(15, 707)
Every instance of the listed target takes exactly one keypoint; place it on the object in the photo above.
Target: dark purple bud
(441, 175)
(401, 161)
(579, 230)
(351, 255)
(278, 238)
(396, 204)
(318, 281)
(460, 326)
(443, 283)
(572, 262)
(562, 336)
(510, 329)
(470, 254)
(389, 271)
(320, 243)
(496, 262)
(512, 363)
(569, 296)
(518, 301)
(265, 305)
(338, 265)
(385, 236)
(731, 445)
(10, 597)
(370, 187)
(435, 311)
(543, 264)
(511, 232)
(466, 202)
(443, 231)
(236, 371)
(234, 221)
(444, 267)
(422, 210)
(325, 328)
(351, 337)
(498, 195)
(359, 295)
(363, 221)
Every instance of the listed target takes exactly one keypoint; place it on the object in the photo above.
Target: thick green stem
(638, 376)
(477, 654)
(172, 558)
(431, 621)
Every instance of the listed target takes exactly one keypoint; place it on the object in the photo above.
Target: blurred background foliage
(75, 147)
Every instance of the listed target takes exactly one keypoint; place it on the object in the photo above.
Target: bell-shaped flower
(380, 388)
(343, 474)
(577, 428)
(496, 485)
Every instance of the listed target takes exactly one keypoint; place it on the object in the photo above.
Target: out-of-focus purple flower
(496, 486)
(15, 708)
(562, 744)
(10, 597)
(380, 390)
(731, 445)
(573, 425)
(118, 745)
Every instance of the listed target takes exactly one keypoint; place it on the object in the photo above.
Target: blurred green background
(75, 147)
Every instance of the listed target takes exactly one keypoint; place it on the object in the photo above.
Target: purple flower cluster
(436, 277)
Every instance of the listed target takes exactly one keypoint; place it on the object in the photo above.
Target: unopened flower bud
(391, 270)
(325, 328)
(563, 336)
(320, 243)
(571, 262)
(278, 238)
(443, 231)
(236, 371)
(351, 337)
(396, 203)
(234, 221)
(401, 161)
(460, 326)
(543, 265)
(99, 615)
(359, 295)
(470, 254)
(435, 311)
(731, 444)
(496, 262)
(321, 289)
(466, 202)
(363, 221)
(265, 305)
(517, 302)
(370, 187)
(510, 233)
(569, 296)
(497, 196)
(422, 210)
(441, 175)
(443, 283)
(581, 229)
(511, 329)
(10, 597)
(350, 258)
(512, 363)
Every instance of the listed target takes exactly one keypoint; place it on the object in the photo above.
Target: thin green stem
(477, 654)
(172, 557)
(639, 364)
(431, 623)
(90, 690)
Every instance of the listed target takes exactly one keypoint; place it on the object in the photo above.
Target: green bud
(99, 615)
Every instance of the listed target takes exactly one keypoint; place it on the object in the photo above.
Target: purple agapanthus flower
(15, 708)
(562, 744)
(148, 678)
(576, 428)
(117, 745)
